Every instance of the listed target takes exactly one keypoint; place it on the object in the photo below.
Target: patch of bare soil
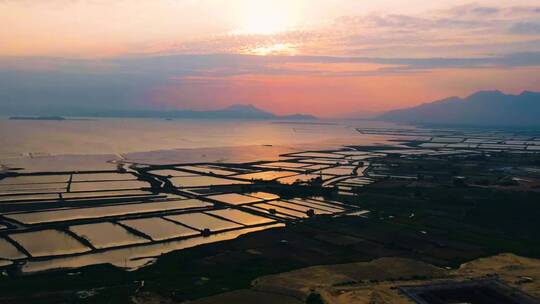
(377, 282)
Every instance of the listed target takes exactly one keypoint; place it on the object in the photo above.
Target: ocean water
(111, 136)
(98, 144)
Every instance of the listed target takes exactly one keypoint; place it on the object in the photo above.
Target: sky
(331, 58)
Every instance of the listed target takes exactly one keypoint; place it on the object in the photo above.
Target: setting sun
(272, 49)
(266, 19)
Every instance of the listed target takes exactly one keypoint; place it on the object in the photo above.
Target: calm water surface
(71, 145)
(112, 136)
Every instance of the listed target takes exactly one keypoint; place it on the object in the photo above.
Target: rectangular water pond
(107, 211)
(32, 188)
(241, 217)
(264, 195)
(322, 207)
(319, 155)
(203, 181)
(298, 207)
(102, 177)
(203, 221)
(171, 172)
(35, 179)
(205, 169)
(324, 161)
(106, 235)
(160, 229)
(284, 165)
(9, 251)
(303, 178)
(288, 212)
(48, 242)
(105, 194)
(234, 198)
(266, 175)
(29, 197)
(342, 170)
(108, 185)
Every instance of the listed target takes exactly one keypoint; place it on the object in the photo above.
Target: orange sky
(324, 57)
(340, 96)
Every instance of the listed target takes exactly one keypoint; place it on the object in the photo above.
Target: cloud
(358, 48)
(474, 10)
(145, 71)
(463, 30)
(525, 28)
(36, 86)
(484, 10)
(466, 31)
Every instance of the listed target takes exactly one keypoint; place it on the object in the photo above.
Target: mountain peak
(486, 94)
(241, 106)
(529, 93)
(483, 108)
(249, 108)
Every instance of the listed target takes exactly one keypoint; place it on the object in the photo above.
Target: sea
(162, 141)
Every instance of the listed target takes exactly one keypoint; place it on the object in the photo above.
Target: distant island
(484, 108)
(231, 112)
(235, 112)
(37, 118)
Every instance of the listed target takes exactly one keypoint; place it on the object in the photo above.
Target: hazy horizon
(325, 58)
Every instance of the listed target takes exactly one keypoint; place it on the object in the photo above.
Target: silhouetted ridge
(484, 108)
(231, 112)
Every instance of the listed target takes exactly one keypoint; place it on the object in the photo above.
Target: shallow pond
(241, 217)
(105, 235)
(266, 175)
(267, 207)
(234, 198)
(134, 257)
(9, 251)
(102, 177)
(159, 229)
(203, 221)
(107, 211)
(201, 181)
(48, 242)
(108, 185)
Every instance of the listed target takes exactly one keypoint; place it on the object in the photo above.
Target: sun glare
(273, 49)
(266, 24)
(265, 19)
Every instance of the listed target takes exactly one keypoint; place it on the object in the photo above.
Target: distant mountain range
(232, 112)
(484, 108)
